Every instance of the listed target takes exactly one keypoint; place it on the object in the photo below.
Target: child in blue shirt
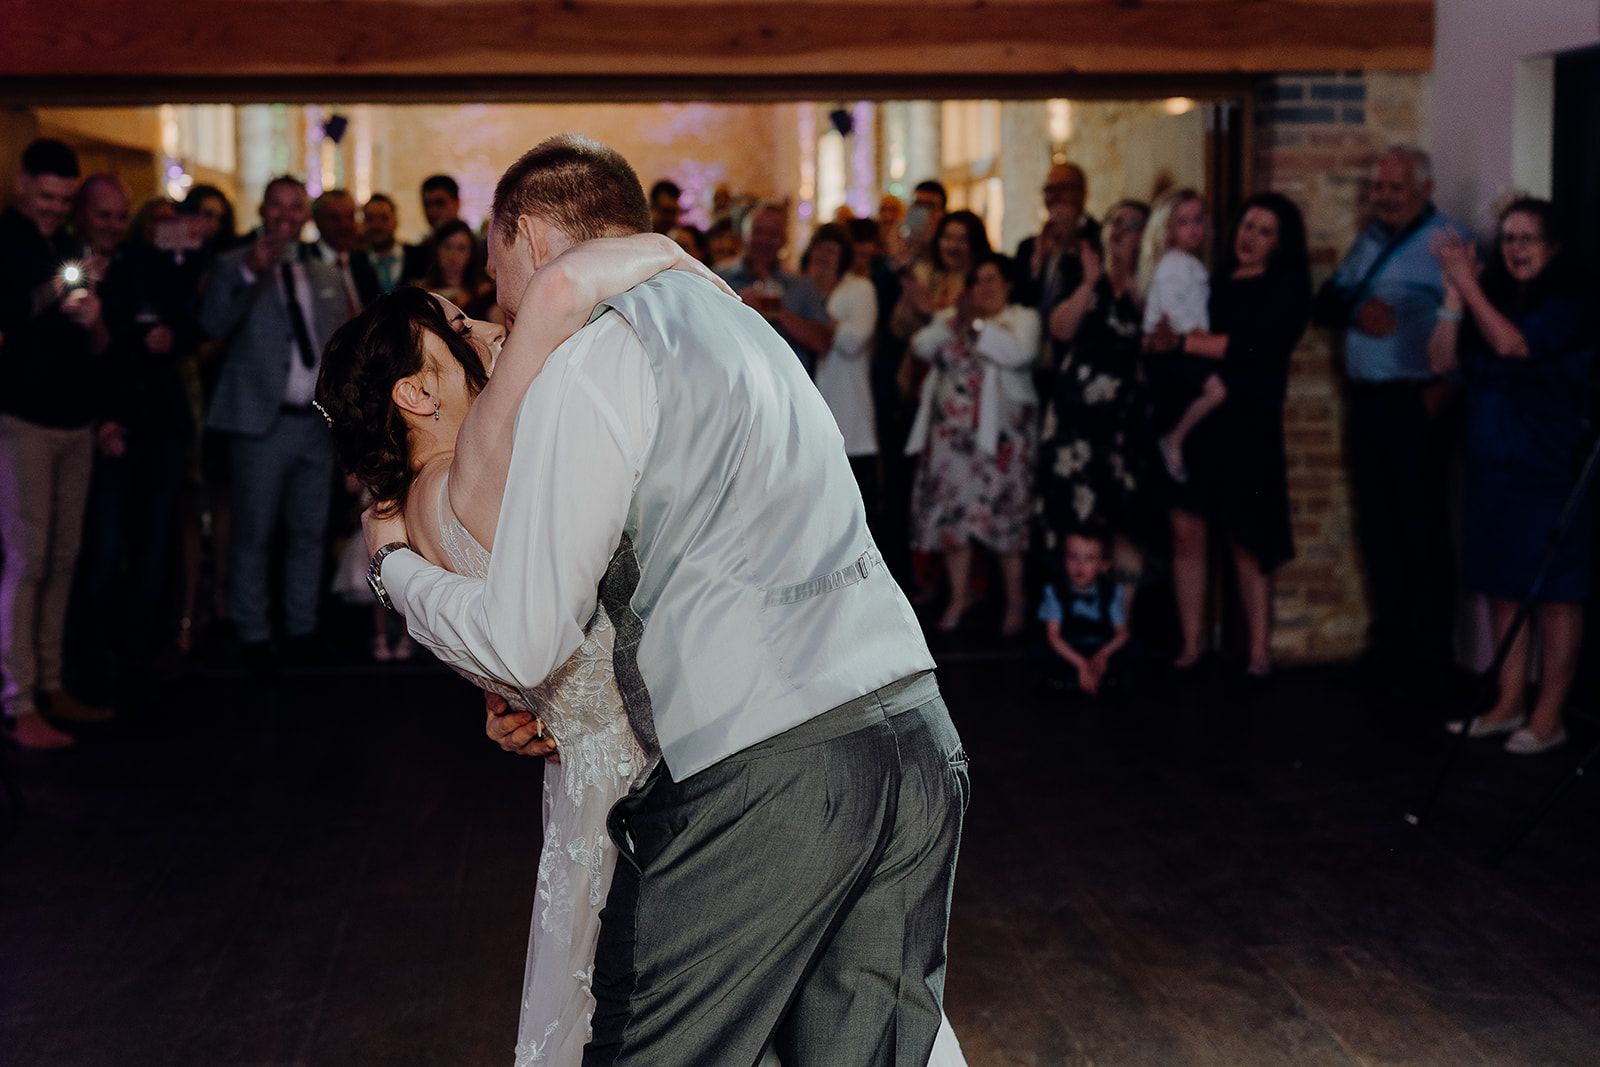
(1089, 626)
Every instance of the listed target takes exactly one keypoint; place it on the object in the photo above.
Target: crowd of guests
(1053, 432)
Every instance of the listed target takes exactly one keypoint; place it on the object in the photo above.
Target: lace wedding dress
(601, 760)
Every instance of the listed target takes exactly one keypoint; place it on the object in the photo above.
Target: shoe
(1480, 727)
(31, 732)
(62, 705)
(380, 650)
(1527, 743)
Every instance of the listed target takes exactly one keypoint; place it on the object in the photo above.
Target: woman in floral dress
(975, 436)
(1095, 439)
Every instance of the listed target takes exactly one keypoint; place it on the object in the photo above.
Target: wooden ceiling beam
(596, 40)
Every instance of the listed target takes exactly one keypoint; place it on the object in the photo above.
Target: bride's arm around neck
(557, 303)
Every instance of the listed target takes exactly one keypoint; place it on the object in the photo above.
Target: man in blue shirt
(789, 301)
(1385, 298)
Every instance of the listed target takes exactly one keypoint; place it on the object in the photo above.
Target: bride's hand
(518, 732)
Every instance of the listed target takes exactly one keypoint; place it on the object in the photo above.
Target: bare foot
(1185, 661)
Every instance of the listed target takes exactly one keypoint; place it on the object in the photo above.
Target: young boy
(1091, 625)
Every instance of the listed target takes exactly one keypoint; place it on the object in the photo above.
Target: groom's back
(762, 597)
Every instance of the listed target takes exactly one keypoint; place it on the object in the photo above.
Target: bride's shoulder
(422, 513)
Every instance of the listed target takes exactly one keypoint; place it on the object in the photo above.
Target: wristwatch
(375, 572)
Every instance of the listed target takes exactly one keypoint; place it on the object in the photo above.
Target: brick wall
(1316, 137)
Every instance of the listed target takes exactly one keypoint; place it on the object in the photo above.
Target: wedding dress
(601, 760)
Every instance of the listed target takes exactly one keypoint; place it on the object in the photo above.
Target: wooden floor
(339, 870)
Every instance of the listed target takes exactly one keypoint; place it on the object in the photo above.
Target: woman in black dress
(1091, 458)
(1238, 480)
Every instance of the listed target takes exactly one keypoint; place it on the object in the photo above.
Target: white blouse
(1007, 346)
(844, 375)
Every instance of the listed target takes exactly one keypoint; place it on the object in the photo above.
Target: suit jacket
(366, 278)
(1029, 291)
(251, 318)
(418, 258)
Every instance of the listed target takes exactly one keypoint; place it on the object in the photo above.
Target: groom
(784, 875)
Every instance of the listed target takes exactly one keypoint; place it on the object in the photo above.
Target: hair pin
(323, 412)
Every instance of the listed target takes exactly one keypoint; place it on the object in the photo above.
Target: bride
(422, 402)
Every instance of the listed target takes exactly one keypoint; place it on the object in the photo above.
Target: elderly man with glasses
(1050, 259)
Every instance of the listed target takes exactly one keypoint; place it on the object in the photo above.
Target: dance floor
(338, 869)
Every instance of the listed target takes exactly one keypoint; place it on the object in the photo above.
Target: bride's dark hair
(363, 360)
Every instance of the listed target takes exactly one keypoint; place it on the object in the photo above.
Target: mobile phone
(918, 219)
(179, 235)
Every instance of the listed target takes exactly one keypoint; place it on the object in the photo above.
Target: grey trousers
(285, 475)
(796, 895)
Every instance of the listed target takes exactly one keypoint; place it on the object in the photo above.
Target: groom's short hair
(577, 185)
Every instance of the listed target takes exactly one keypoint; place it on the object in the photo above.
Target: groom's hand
(382, 530)
(518, 732)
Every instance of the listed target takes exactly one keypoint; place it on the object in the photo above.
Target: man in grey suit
(273, 307)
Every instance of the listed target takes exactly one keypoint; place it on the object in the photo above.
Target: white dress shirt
(844, 376)
(580, 439)
(301, 388)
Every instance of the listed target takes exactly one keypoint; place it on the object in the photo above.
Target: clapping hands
(1458, 259)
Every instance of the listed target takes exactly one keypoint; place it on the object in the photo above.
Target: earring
(436, 412)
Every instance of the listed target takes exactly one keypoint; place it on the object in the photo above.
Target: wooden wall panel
(601, 39)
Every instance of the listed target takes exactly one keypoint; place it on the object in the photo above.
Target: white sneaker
(1482, 727)
(1527, 743)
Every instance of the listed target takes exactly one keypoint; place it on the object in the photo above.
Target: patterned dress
(961, 494)
(601, 760)
(1096, 441)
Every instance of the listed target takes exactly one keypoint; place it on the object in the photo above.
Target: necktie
(352, 302)
(385, 265)
(297, 319)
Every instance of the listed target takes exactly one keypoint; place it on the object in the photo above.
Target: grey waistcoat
(747, 593)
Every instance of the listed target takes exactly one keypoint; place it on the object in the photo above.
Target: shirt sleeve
(927, 341)
(580, 437)
(1050, 606)
(803, 298)
(1119, 607)
(1011, 339)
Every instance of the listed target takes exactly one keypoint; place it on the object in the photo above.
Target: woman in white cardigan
(975, 435)
(844, 373)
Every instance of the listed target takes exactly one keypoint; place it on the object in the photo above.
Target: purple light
(863, 172)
